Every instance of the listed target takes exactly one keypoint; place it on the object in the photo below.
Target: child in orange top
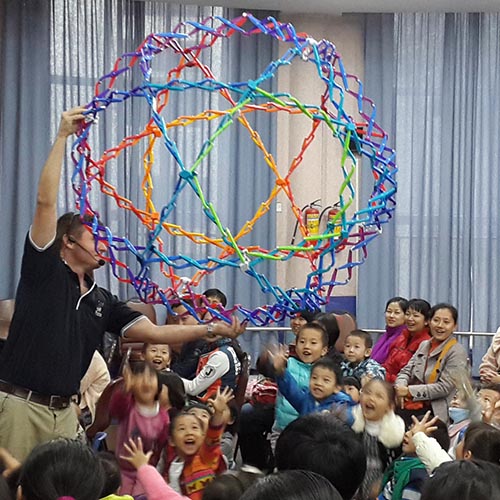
(197, 454)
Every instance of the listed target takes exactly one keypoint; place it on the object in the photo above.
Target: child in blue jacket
(325, 387)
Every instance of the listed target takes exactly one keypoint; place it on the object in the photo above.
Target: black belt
(53, 402)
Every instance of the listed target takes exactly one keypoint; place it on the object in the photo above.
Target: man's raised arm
(44, 223)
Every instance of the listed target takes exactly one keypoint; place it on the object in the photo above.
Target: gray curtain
(52, 54)
(436, 78)
(25, 117)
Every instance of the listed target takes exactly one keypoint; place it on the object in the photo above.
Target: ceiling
(337, 7)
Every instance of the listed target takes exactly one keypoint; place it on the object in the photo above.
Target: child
(357, 349)
(62, 469)
(352, 387)
(325, 386)
(464, 480)
(158, 356)
(197, 454)
(459, 414)
(228, 444)
(321, 443)
(481, 442)
(405, 477)
(112, 477)
(140, 414)
(311, 344)
(488, 398)
(383, 432)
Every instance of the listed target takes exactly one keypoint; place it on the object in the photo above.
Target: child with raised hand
(382, 431)
(404, 479)
(481, 442)
(325, 386)
(197, 453)
(357, 350)
(311, 345)
(139, 413)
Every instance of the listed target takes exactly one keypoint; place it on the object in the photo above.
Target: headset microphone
(100, 262)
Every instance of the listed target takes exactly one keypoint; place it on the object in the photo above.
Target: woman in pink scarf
(395, 310)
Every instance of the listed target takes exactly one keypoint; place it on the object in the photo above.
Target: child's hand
(221, 399)
(279, 359)
(425, 425)
(136, 455)
(10, 464)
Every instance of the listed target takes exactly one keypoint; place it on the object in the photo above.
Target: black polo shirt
(55, 330)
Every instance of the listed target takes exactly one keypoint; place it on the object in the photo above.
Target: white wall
(320, 175)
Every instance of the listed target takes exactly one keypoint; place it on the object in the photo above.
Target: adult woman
(395, 310)
(406, 344)
(426, 381)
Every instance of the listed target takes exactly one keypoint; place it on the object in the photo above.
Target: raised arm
(43, 228)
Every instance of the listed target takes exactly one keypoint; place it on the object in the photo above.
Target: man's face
(183, 316)
(82, 250)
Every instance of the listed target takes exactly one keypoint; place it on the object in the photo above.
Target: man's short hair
(321, 443)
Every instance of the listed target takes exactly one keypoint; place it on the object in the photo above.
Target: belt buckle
(56, 403)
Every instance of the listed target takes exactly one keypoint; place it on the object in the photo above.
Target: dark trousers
(255, 423)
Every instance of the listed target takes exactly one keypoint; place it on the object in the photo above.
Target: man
(60, 317)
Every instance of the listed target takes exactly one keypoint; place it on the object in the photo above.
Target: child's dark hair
(196, 403)
(352, 380)
(323, 444)
(176, 391)
(217, 294)
(138, 367)
(182, 414)
(315, 325)
(421, 306)
(490, 387)
(464, 480)
(59, 468)
(232, 485)
(331, 325)
(441, 434)
(483, 442)
(307, 314)
(330, 365)
(364, 336)
(401, 301)
(146, 344)
(111, 469)
(292, 485)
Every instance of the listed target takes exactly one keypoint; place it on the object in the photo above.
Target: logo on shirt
(208, 371)
(98, 309)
